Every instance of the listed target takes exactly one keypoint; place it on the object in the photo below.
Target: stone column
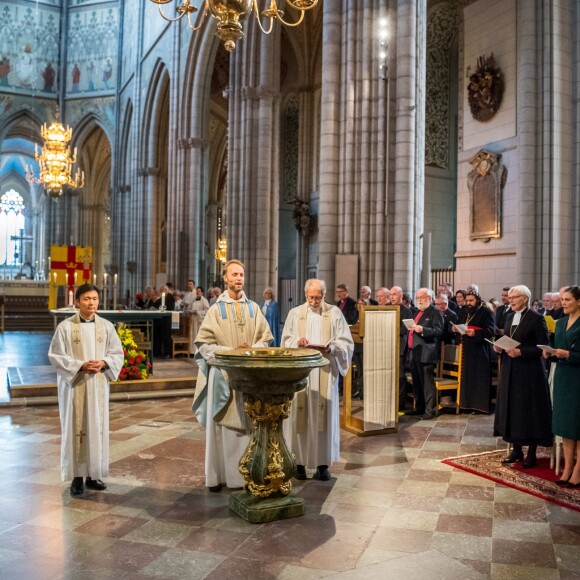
(253, 183)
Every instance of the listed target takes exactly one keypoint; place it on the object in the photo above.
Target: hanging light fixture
(55, 161)
(231, 13)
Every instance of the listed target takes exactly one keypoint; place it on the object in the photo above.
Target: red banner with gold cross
(70, 266)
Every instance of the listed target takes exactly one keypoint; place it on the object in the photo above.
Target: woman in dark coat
(566, 418)
(476, 359)
(523, 409)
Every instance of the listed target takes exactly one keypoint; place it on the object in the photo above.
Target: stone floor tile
(402, 540)
(526, 512)
(466, 525)
(515, 572)
(410, 519)
(563, 534)
(213, 540)
(522, 531)
(523, 553)
(568, 557)
(467, 507)
(470, 492)
(462, 546)
(178, 564)
(111, 525)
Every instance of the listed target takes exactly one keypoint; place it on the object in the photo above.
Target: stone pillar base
(258, 510)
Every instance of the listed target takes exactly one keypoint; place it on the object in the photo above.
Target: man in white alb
(86, 353)
(313, 430)
(232, 322)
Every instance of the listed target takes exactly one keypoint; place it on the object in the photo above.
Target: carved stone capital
(259, 93)
(147, 171)
(192, 143)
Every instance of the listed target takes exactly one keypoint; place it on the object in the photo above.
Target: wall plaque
(486, 182)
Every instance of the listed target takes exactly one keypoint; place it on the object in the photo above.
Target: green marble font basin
(272, 370)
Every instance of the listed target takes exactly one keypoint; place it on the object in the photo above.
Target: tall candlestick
(115, 292)
(70, 298)
(163, 300)
(49, 262)
(115, 280)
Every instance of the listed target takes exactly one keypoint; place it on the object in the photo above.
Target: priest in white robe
(313, 430)
(86, 353)
(232, 322)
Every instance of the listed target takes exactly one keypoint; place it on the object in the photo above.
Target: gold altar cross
(81, 436)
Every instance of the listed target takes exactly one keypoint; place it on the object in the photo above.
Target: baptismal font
(267, 378)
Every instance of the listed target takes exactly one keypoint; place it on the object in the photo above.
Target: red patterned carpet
(538, 481)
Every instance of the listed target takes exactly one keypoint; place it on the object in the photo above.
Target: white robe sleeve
(58, 354)
(290, 333)
(341, 345)
(114, 356)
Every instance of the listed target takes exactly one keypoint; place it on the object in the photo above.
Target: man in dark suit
(346, 304)
(405, 314)
(449, 318)
(423, 342)
(502, 311)
(365, 296)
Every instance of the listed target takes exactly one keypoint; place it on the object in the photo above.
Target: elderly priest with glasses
(313, 430)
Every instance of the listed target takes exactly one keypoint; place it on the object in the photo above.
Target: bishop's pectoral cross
(21, 238)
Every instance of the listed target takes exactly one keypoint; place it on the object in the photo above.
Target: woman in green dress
(566, 411)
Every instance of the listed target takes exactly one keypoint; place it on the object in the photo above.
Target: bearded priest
(233, 321)
(313, 429)
(86, 353)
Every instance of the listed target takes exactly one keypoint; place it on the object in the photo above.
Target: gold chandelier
(221, 254)
(55, 161)
(230, 14)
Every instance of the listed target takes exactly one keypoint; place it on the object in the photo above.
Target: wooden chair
(448, 376)
(180, 342)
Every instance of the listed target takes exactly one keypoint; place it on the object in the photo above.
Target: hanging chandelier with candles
(55, 161)
(231, 13)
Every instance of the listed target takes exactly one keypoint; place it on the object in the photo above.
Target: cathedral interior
(379, 142)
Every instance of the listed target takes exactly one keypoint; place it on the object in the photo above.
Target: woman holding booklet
(523, 413)
(566, 418)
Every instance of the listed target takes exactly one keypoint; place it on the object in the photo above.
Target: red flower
(138, 360)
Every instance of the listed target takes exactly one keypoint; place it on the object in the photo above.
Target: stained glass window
(12, 218)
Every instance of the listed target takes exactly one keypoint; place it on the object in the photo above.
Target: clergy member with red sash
(423, 342)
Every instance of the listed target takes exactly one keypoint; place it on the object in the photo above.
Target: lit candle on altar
(49, 263)
(105, 291)
(70, 297)
(43, 264)
(54, 277)
(115, 292)
(94, 279)
(162, 300)
(76, 276)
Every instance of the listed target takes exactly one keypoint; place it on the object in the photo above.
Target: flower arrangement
(135, 366)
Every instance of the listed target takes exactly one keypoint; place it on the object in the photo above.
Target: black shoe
(95, 484)
(414, 413)
(528, 463)
(77, 487)
(300, 472)
(216, 488)
(516, 455)
(322, 473)
(573, 485)
(166, 356)
(428, 416)
(562, 481)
